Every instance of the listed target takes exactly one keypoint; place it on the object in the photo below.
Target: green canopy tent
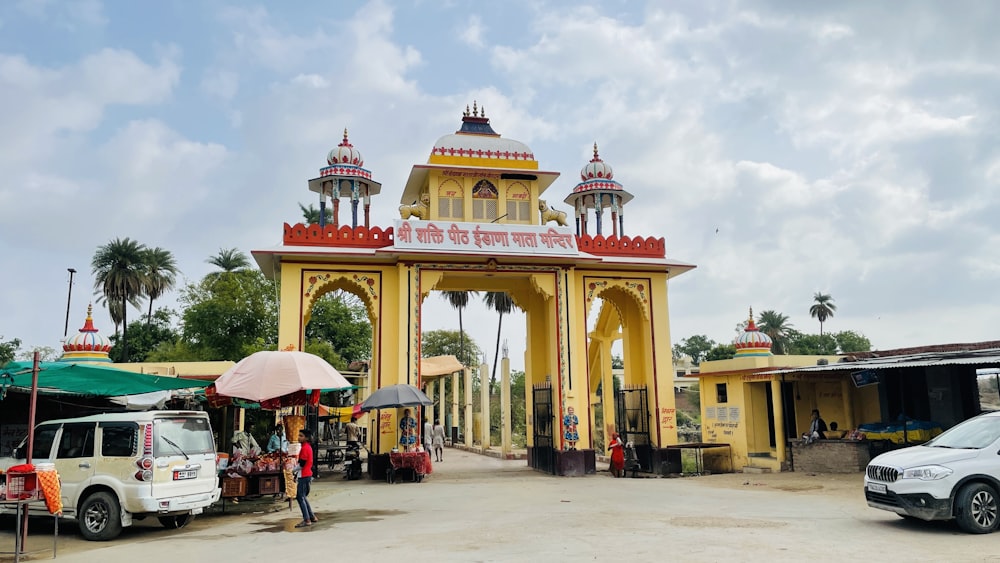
(87, 380)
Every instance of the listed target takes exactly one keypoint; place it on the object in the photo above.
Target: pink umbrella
(271, 374)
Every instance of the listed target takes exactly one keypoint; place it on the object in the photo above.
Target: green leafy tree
(617, 362)
(178, 350)
(721, 352)
(850, 341)
(500, 302)
(224, 315)
(120, 277)
(777, 327)
(822, 309)
(45, 354)
(161, 275)
(813, 344)
(328, 352)
(341, 319)
(694, 346)
(459, 300)
(8, 350)
(310, 215)
(229, 260)
(450, 342)
(144, 337)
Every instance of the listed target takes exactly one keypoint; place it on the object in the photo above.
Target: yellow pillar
(468, 407)
(505, 440)
(429, 410)
(607, 391)
(454, 404)
(845, 391)
(484, 399)
(779, 420)
(441, 396)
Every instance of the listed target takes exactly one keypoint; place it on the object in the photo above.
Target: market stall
(275, 380)
(412, 460)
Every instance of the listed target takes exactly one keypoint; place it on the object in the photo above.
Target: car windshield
(183, 436)
(975, 433)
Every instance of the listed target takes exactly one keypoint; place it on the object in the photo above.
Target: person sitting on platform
(816, 428)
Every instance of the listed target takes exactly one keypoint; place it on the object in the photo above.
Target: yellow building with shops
(475, 217)
(760, 414)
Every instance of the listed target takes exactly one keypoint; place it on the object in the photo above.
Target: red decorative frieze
(648, 247)
(358, 237)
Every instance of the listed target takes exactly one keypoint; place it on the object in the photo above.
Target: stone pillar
(779, 422)
(336, 209)
(845, 390)
(429, 411)
(505, 430)
(368, 205)
(484, 398)
(468, 407)
(599, 211)
(441, 396)
(322, 212)
(607, 391)
(355, 197)
(454, 406)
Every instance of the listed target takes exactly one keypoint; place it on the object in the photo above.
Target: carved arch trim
(637, 289)
(366, 286)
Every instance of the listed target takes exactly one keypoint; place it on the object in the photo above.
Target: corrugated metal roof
(928, 359)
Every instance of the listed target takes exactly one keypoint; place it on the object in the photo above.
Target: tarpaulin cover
(88, 380)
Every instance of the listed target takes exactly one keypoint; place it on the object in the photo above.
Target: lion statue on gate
(549, 214)
(419, 210)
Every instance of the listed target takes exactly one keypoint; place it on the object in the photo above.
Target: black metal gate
(542, 449)
(632, 422)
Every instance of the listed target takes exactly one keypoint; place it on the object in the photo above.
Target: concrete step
(756, 470)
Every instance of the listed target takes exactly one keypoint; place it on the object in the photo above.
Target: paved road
(482, 509)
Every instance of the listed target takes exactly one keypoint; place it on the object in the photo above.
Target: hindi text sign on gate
(485, 237)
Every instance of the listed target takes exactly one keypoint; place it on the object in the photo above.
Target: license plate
(191, 474)
(876, 488)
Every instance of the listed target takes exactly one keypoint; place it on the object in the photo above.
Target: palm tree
(500, 302)
(229, 260)
(822, 309)
(775, 325)
(459, 300)
(310, 214)
(120, 276)
(161, 274)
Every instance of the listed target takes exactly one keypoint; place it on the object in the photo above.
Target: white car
(955, 475)
(116, 467)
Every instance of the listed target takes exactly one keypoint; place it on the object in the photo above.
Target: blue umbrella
(396, 396)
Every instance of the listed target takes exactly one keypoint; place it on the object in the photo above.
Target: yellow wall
(465, 180)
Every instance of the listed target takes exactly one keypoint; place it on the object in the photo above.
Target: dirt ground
(475, 508)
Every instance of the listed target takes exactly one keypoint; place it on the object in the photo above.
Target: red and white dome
(753, 342)
(345, 153)
(596, 169)
(87, 345)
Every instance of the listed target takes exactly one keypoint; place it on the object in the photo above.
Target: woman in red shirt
(617, 455)
(305, 478)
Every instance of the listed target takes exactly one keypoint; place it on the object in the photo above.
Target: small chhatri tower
(344, 177)
(87, 345)
(598, 191)
(752, 342)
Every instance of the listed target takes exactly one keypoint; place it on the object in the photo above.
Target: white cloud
(222, 84)
(471, 32)
(67, 14)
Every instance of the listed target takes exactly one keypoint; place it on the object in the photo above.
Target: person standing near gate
(305, 478)
(426, 437)
(617, 455)
(353, 433)
(437, 440)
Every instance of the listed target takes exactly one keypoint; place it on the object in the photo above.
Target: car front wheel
(100, 517)
(976, 508)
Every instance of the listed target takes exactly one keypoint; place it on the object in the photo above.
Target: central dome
(752, 342)
(477, 144)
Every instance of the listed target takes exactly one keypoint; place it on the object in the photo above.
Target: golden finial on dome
(345, 133)
(90, 311)
(475, 111)
(482, 112)
(595, 151)
(466, 112)
(751, 314)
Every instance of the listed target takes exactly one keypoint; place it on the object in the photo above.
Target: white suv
(116, 467)
(955, 475)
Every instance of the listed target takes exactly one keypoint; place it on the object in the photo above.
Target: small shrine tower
(87, 345)
(598, 190)
(344, 177)
(752, 342)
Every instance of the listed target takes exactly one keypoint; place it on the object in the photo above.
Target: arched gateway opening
(516, 243)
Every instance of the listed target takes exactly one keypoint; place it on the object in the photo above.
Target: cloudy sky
(784, 147)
